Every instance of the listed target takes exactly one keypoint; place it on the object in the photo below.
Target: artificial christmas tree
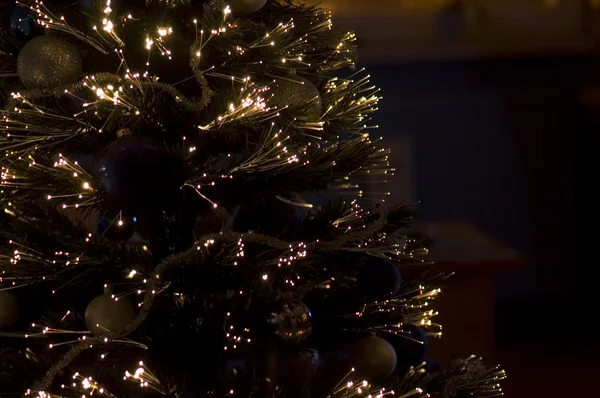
(172, 224)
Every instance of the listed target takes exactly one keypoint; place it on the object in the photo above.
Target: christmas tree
(183, 213)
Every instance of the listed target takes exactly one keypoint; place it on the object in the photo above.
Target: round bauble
(293, 369)
(137, 174)
(410, 345)
(22, 22)
(9, 310)
(246, 6)
(106, 314)
(432, 366)
(290, 319)
(378, 277)
(373, 357)
(49, 61)
(297, 92)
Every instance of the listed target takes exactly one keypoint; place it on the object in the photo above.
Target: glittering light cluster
(299, 251)
(413, 305)
(250, 106)
(145, 379)
(336, 150)
(236, 337)
(350, 388)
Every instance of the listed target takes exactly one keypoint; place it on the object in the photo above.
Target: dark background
(511, 145)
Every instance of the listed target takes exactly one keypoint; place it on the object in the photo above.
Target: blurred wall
(494, 143)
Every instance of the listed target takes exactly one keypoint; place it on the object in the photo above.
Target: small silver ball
(291, 320)
(49, 61)
(105, 314)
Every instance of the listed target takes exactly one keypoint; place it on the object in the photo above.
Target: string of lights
(186, 159)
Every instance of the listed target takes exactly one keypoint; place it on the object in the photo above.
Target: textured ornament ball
(49, 61)
(9, 310)
(291, 320)
(137, 173)
(378, 277)
(105, 314)
(246, 6)
(373, 357)
(410, 345)
(295, 91)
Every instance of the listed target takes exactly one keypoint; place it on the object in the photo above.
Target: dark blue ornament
(138, 174)
(22, 22)
(433, 367)
(410, 345)
(378, 277)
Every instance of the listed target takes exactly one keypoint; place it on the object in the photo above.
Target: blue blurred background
(492, 111)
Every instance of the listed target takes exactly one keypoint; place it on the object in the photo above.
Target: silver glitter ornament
(9, 310)
(49, 61)
(246, 6)
(296, 91)
(105, 314)
(290, 319)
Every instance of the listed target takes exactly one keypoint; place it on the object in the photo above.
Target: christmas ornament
(9, 309)
(295, 91)
(290, 367)
(290, 319)
(246, 6)
(410, 344)
(106, 314)
(373, 357)
(23, 23)
(137, 174)
(298, 368)
(378, 277)
(432, 366)
(49, 61)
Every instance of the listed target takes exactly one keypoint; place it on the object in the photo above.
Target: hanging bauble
(432, 366)
(378, 277)
(9, 310)
(291, 367)
(373, 357)
(410, 344)
(106, 314)
(297, 369)
(297, 92)
(49, 61)
(22, 22)
(246, 6)
(137, 174)
(290, 319)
